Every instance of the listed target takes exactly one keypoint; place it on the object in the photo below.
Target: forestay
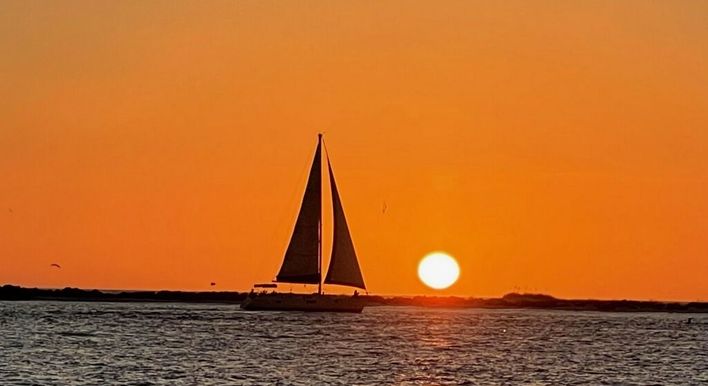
(301, 262)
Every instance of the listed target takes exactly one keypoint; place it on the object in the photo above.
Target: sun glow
(438, 270)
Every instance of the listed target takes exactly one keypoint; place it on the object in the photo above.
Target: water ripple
(60, 343)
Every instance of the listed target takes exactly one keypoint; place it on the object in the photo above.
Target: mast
(319, 236)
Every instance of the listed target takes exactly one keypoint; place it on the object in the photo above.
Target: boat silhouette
(302, 263)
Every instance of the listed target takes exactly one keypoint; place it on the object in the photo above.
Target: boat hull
(305, 303)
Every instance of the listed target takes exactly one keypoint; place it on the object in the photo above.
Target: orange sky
(558, 148)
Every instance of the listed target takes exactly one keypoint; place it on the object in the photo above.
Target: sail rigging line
(301, 263)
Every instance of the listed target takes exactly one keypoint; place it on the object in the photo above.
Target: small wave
(76, 333)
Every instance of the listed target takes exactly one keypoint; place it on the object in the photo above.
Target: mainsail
(343, 265)
(301, 263)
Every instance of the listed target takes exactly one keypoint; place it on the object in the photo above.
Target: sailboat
(302, 263)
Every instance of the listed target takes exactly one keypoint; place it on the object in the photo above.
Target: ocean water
(67, 343)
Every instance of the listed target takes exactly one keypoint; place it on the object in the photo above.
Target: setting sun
(438, 270)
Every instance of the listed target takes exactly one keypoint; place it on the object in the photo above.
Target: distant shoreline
(508, 301)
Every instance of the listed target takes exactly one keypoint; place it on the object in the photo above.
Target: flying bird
(55, 265)
(213, 284)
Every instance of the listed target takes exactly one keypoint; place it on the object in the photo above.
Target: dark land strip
(508, 301)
